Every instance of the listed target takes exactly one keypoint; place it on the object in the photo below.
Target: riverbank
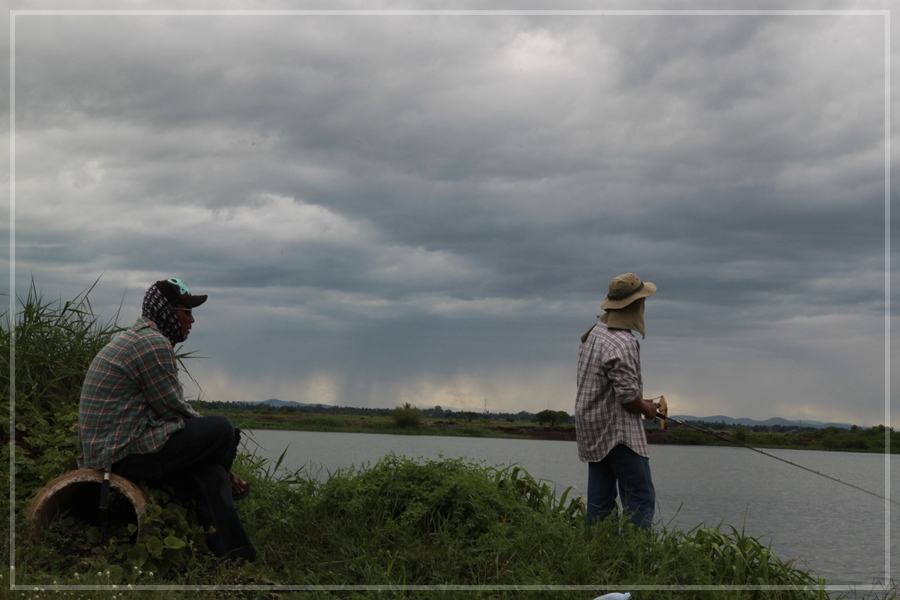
(406, 527)
(869, 440)
(400, 529)
(385, 425)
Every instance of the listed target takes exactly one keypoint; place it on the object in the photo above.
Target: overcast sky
(428, 208)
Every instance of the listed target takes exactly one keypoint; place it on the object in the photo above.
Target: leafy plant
(406, 416)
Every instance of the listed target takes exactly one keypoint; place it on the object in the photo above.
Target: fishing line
(784, 460)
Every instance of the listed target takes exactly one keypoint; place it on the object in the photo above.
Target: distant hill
(275, 402)
(768, 422)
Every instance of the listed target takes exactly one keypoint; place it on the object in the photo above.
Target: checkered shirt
(609, 375)
(131, 400)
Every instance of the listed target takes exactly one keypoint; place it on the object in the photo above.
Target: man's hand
(237, 484)
(641, 407)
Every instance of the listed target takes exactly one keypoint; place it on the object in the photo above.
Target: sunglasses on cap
(181, 287)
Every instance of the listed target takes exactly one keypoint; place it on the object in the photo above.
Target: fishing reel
(662, 413)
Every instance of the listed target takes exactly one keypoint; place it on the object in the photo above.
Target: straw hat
(625, 289)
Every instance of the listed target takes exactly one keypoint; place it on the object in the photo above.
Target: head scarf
(630, 317)
(157, 309)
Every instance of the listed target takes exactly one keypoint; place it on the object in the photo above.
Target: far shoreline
(824, 440)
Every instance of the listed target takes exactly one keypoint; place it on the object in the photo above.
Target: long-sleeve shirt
(609, 375)
(131, 400)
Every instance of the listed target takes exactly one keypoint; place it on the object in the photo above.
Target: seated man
(133, 419)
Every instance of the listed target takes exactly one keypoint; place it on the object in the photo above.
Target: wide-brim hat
(625, 289)
(177, 293)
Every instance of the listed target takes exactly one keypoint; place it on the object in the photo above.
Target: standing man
(134, 420)
(609, 405)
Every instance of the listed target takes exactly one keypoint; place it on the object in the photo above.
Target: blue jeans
(195, 461)
(628, 471)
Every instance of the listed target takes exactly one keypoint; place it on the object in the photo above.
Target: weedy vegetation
(398, 528)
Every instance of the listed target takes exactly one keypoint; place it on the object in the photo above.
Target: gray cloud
(430, 207)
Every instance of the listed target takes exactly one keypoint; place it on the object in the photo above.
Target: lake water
(842, 534)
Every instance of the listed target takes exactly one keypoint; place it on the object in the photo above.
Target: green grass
(400, 528)
(404, 524)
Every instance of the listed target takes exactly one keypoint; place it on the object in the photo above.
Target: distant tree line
(723, 426)
(864, 439)
(435, 412)
(870, 439)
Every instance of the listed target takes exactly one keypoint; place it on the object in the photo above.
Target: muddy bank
(531, 432)
(562, 433)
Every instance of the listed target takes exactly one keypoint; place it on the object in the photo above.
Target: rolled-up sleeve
(622, 368)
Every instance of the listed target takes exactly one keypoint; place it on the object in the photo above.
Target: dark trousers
(627, 472)
(196, 461)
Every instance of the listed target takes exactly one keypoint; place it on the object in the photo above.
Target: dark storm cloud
(440, 202)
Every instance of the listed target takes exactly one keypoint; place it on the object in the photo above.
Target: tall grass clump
(55, 342)
(452, 522)
(406, 416)
(399, 528)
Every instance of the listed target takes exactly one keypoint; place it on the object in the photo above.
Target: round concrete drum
(77, 493)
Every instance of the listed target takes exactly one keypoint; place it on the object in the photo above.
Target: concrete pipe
(77, 493)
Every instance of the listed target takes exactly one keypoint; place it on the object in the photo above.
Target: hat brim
(648, 290)
(193, 301)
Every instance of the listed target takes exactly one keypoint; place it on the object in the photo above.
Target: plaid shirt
(131, 400)
(609, 375)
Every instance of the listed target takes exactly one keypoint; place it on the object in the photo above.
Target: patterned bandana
(157, 309)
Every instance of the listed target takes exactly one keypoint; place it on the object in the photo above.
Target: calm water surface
(842, 534)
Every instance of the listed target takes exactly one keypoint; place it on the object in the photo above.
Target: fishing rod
(660, 414)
